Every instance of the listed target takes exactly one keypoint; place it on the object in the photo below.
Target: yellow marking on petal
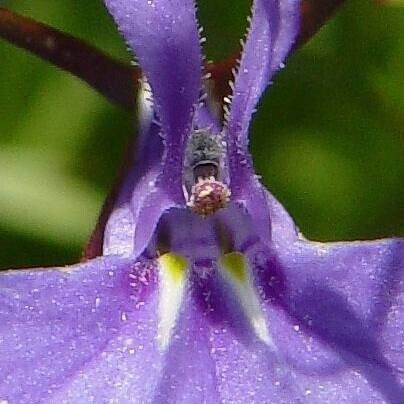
(235, 264)
(174, 264)
(235, 269)
(172, 282)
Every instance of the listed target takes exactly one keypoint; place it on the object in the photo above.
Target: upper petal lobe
(164, 36)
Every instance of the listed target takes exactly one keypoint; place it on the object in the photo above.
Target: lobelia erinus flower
(206, 292)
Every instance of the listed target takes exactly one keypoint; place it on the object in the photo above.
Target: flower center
(195, 255)
(206, 191)
(208, 195)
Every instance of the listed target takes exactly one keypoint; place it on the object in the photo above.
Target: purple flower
(206, 292)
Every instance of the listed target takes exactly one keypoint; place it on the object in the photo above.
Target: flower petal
(142, 196)
(89, 333)
(274, 27)
(336, 314)
(132, 223)
(283, 228)
(139, 181)
(84, 334)
(55, 322)
(189, 374)
(164, 36)
(247, 369)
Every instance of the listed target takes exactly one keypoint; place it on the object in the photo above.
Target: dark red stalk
(113, 79)
(314, 14)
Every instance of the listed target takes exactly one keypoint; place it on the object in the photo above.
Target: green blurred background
(328, 139)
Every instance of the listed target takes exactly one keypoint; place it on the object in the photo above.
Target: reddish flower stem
(314, 14)
(113, 79)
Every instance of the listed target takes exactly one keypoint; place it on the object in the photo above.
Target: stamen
(203, 147)
(172, 287)
(208, 195)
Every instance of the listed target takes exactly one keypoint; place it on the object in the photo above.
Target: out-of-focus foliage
(328, 141)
